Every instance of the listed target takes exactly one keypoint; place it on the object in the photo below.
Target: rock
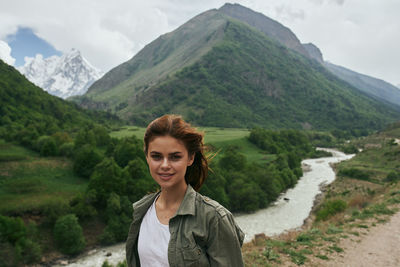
(63, 262)
(259, 239)
(108, 254)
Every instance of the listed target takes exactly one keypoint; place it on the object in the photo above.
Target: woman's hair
(175, 126)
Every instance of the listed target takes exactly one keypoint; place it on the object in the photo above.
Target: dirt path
(379, 247)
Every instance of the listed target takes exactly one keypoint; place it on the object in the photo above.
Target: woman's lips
(165, 176)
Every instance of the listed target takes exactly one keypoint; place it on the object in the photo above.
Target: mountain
(65, 76)
(26, 111)
(374, 87)
(218, 70)
(270, 27)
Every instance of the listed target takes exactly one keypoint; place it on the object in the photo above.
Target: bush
(11, 229)
(355, 173)
(330, 208)
(46, 146)
(85, 160)
(349, 149)
(14, 239)
(67, 149)
(54, 209)
(392, 177)
(68, 235)
(28, 251)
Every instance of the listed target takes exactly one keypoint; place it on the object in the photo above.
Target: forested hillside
(248, 80)
(224, 69)
(27, 112)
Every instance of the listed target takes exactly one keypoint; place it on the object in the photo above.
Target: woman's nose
(165, 163)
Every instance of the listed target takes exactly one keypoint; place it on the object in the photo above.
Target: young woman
(178, 226)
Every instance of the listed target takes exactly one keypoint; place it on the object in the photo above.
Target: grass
(10, 152)
(30, 182)
(217, 138)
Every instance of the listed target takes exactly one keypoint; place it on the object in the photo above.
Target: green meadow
(216, 138)
(29, 183)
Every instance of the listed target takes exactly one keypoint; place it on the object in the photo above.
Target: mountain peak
(268, 26)
(314, 52)
(65, 76)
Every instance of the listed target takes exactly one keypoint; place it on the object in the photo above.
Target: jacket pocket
(194, 256)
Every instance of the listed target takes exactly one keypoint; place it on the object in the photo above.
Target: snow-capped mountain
(68, 75)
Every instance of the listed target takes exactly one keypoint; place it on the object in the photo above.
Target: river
(288, 212)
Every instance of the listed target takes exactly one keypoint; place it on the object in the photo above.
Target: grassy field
(217, 138)
(28, 182)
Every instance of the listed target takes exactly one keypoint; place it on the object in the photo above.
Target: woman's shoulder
(211, 206)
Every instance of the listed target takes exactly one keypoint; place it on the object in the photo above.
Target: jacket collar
(188, 205)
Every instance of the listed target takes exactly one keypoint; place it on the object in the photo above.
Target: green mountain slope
(165, 55)
(235, 76)
(248, 79)
(27, 109)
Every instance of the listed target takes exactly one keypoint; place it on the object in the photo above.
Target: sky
(362, 35)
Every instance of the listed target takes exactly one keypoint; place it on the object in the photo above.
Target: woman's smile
(168, 160)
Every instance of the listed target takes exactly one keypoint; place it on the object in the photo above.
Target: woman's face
(168, 159)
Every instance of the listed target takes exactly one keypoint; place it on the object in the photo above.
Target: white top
(153, 240)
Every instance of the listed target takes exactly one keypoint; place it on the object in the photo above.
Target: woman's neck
(172, 197)
(167, 204)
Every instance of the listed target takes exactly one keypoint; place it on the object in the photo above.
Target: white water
(285, 215)
(281, 216)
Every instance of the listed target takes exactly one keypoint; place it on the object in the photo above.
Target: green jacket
(203, 233)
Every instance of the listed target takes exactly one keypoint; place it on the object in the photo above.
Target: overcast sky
(363, 35)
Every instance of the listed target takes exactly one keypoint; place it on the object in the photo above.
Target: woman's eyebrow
(172, 153)
(175, 153)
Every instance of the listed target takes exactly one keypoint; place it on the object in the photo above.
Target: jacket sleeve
(225, 241)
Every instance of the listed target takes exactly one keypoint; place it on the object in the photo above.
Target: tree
(106, 178)
(127, 150)
(85, 160)
(68, 235)
(137, 179)
(232, 160)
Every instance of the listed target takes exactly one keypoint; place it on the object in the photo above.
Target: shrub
(85, 160)
(54, 209)
(14, 239)
(11, 229)
(28, 251)
(330, 208)
(392, 177)
(67, 149)
(46, 146)
(68, 235)
(355, 173)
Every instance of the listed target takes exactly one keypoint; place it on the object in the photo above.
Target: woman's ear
(191, 159)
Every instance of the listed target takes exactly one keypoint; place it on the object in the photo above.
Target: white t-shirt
(153, 240)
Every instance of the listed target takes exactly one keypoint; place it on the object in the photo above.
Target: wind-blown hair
(175, 126)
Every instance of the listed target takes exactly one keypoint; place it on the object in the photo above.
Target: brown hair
(175, 126)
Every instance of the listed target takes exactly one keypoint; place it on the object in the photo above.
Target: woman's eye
(156, 157)
(175, 157)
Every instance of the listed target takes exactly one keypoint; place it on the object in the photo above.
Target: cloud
(5, 53)
(358, 34)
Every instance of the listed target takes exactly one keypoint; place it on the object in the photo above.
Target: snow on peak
(68, 75)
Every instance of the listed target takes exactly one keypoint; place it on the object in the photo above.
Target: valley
(265, 103)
